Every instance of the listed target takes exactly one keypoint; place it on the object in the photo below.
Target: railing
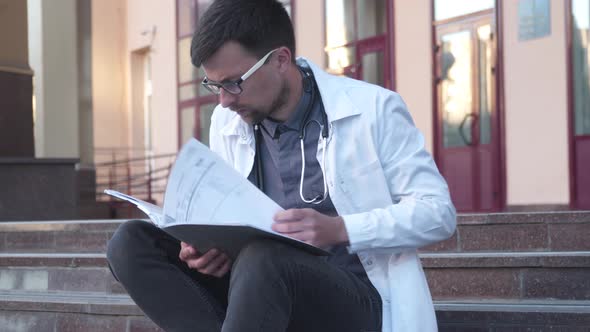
(134, 172)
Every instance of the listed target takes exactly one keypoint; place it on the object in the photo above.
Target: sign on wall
(534, 19)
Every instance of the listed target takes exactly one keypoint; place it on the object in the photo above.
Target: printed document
(210, 205)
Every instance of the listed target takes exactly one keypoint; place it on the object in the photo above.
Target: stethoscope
(309, 86)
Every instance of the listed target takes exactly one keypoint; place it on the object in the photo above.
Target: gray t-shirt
(281, 164)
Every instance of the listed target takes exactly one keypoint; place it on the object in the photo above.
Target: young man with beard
(368, 192)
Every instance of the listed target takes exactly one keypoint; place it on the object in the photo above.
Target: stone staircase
(500, 272)
(54, 277)
(513, 272)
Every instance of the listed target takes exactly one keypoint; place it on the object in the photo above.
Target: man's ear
(283, 58)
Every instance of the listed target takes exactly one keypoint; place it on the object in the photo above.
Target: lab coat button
(370, 262)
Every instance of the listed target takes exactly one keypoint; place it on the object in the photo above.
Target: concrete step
(23, 311)
(540, 231)
(517, 275)
(48, 272)
(72, 311)
(463, 315)
(543, 231)
(57, 236)
(509, 275)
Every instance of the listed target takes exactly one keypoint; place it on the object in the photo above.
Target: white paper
(221, 208)
(204, 189)
(154, 212)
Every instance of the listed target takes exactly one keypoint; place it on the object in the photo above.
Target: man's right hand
(213, 262)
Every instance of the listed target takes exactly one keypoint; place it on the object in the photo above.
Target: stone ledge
(523, 217)
(495, 305)
(71, 260)
(507, 259)
(60, 225)
(72, 302)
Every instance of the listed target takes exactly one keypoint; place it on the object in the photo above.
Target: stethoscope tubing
(324, 132)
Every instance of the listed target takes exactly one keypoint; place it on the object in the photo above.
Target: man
(345, 161)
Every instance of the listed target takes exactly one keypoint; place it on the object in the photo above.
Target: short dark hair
(257, 25)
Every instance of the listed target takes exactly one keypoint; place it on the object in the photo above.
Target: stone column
(16, 87)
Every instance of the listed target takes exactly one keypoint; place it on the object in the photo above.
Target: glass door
(580, 93)
(468, 140)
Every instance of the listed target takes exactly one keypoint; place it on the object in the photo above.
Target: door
(195, 119)
(372, 67)
(580, 102)
(467, 138)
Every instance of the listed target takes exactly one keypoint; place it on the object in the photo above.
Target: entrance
(467, 135)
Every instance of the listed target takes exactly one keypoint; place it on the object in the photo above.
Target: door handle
(466, 140)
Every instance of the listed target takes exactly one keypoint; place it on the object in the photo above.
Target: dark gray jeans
(271, 287)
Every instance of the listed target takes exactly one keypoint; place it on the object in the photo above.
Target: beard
(276, 106)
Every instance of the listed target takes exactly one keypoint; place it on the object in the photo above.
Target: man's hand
(213, 262)
(310, 226)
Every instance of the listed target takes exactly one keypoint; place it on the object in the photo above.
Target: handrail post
(149, 179)
(129, 178)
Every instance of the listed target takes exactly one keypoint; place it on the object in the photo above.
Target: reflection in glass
(371, 18)
(581, 65)
(187, 123)
(339, 22)
(373, 68)
(456, 89)
(186, 70)
(485, 79)
(205, 112)
(187, 92)
(444, 9)
(340, 58)
(186, 17)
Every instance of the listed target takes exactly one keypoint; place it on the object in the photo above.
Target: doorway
(467, 135)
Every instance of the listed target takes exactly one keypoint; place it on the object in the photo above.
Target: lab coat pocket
(366, 187)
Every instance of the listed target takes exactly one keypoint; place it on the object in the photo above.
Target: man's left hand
(310, 226)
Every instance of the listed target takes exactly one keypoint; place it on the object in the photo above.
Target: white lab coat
(381, 181)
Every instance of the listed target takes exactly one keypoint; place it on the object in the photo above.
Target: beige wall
(413, 59)
(109, 72)
(309, 30)
(54, 58)
(536, 111)
(151, 27)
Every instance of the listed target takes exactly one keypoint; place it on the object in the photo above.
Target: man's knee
(262, 257)
(127, 240)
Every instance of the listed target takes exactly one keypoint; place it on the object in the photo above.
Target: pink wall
(536, 111)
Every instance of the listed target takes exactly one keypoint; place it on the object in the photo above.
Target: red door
(580, 102)
(467, 141)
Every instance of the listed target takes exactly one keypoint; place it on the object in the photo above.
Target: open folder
(209, 205)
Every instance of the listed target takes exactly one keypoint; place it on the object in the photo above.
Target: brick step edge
(545, 259)
(552, 259)
(122, 304)
(70, 302)
(523, 306)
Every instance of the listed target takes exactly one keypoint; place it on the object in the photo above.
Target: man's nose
(227, 99)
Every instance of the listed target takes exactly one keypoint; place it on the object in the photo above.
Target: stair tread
(69, 301)
(528, 305)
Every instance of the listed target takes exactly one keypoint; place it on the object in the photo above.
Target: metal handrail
(137, 176)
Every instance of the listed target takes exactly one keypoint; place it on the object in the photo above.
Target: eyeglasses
(234, 87)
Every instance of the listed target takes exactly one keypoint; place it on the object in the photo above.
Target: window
(356, 39)
(444, 9)
(195, 103)
(581, 65)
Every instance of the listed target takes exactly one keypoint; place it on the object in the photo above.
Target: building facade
(500, 89)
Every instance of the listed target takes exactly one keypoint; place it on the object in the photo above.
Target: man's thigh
(322, 296)
(334, 299)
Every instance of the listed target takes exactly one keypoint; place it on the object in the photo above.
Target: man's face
(263, 92)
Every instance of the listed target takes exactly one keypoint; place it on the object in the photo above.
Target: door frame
(571, 118)
(498, 101)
